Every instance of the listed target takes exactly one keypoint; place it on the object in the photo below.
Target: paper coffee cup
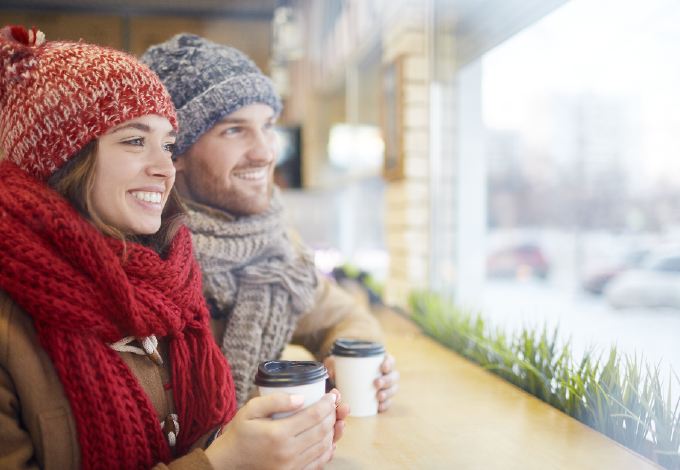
(306, 378)
(357, 365)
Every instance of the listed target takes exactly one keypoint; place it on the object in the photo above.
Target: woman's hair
(75, 181)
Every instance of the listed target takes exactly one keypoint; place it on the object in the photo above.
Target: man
(259, 279)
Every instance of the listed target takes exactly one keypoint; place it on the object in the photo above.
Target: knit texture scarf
(255, 277)
(71, 280)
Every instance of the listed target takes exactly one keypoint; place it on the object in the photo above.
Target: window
(582, 119)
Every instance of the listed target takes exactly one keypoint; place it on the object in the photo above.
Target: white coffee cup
(306, 378)
(357, 365)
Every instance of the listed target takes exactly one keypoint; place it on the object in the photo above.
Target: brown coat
(37, 429)
(336, 314)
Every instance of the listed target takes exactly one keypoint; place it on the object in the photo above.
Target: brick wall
(407, 200)
(399, 30)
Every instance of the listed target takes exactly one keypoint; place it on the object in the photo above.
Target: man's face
(231, 166)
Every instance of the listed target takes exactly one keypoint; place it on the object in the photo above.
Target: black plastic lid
(289, 373)
(357, 348)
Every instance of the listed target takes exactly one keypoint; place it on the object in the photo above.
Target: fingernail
(344, 424)
(297, 399)
(335, 398)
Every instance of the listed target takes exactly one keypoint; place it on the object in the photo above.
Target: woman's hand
(253, 440)
(386, 384)
(341, 413)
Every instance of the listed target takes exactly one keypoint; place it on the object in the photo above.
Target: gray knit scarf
(255, 277)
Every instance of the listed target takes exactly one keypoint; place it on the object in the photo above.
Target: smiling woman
(70, 294)
(123, 182)
(134, 174)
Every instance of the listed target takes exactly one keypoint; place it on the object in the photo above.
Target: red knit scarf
(70, 278)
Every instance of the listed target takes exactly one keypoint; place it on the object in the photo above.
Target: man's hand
(386, 384)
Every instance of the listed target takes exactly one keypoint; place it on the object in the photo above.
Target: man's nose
(263, 147)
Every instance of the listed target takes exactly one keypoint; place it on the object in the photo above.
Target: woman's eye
(137, 141)
(232, 130)
(268, 126)
(170, 148)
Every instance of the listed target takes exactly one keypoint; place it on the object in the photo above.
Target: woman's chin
(149, 230)
(145, 227)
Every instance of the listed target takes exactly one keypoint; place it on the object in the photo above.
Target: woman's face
(134, 174)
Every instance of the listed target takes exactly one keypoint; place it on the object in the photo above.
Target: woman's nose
(161, 164)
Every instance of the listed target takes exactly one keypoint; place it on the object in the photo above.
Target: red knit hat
(55, 97)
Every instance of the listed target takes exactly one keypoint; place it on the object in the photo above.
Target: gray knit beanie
(206, 82)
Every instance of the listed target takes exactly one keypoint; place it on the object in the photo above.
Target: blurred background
(521, 156)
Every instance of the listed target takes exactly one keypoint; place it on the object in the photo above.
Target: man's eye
(232, 130)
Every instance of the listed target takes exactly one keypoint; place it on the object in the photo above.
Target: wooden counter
(451, 414)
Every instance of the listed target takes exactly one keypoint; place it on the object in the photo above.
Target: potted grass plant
(620, 396)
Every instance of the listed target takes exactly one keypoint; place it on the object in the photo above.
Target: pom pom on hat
(19, 33)
(55, 97)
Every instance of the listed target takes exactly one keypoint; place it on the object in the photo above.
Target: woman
(106, 358)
